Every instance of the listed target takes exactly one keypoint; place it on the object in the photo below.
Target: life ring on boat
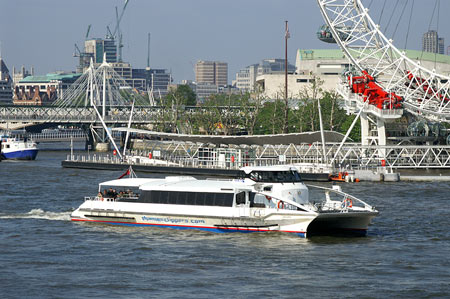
(268, 198)
(280, 204)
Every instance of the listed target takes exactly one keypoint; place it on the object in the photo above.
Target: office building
(98, 46)
(431, 42)
(246, 77)
(441, 45)
(156, 80)
(5, 84)
(212, 72)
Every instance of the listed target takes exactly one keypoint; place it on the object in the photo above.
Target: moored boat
(262, 199)
(15, 148)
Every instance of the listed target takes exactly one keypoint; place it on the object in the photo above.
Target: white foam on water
(40, 214)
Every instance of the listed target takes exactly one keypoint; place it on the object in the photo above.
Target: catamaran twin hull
(302, 224)
(261, 199)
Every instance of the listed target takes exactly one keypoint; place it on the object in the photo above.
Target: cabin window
(190, 199)
(187, 198)
(164, 197)
(240, 198)
(257, 200)
(182, 197)
(290, 176)
(200, 199)
(220, 199)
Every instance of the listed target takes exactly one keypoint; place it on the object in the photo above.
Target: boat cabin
(272, 174)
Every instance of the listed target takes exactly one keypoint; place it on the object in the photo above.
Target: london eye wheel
(382, 78)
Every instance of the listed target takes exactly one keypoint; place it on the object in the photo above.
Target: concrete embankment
(424, 178)
(411, 176)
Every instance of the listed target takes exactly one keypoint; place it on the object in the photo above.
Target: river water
(44, 254)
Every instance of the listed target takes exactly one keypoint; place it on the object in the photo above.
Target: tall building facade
(156, 80)
(212, 72)
(246, 78)
(5, 84)
(95, 48)
(441, 45)
(431, 42)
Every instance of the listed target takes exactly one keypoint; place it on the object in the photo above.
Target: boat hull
(257, 220)
(219, 224)
(351, 223)
(28, 154)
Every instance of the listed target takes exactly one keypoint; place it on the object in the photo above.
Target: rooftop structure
(38, 90)
(23, 73)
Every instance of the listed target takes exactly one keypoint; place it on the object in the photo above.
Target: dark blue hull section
(21, 155)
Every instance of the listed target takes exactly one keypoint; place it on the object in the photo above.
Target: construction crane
(116, 34)
(84, 57)
(87, 32)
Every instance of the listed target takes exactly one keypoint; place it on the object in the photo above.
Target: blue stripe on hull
(202, 228)
(21, 155)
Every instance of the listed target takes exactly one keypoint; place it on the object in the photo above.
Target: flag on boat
(125, 173)
(129, 172)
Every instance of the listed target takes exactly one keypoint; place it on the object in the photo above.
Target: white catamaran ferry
(262, 199)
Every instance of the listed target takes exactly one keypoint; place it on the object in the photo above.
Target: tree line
(253, 114)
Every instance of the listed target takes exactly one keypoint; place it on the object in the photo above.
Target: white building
(246, 77)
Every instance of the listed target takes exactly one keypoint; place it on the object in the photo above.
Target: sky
(42, 33)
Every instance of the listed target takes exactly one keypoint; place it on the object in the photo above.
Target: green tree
(182, 95)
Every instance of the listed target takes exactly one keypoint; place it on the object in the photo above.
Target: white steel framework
(424, 92)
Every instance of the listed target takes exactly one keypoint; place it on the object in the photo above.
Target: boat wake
(39, 214)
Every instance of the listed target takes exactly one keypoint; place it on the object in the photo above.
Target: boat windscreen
(288, 176)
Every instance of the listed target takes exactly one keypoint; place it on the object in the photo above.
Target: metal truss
(349, 156)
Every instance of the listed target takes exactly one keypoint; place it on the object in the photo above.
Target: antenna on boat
(129, 126)
(131, 172)
(321, 132)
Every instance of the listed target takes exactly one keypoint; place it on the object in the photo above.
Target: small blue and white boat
(15, 148)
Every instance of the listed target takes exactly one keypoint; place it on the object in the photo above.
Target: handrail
(345, 195)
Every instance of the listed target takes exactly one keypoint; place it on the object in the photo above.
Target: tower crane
(116, 34)
(82, 54)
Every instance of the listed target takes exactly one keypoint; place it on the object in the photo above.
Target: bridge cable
(437, 30)
(429, 25)
(409, 24)
(399, 19)
(382, 11)
(392, 15)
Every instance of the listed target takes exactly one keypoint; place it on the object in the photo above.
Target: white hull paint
(249, 207)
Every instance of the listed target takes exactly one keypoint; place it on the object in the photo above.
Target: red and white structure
(383, 82)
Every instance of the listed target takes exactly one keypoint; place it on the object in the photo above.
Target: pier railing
(351, 156)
